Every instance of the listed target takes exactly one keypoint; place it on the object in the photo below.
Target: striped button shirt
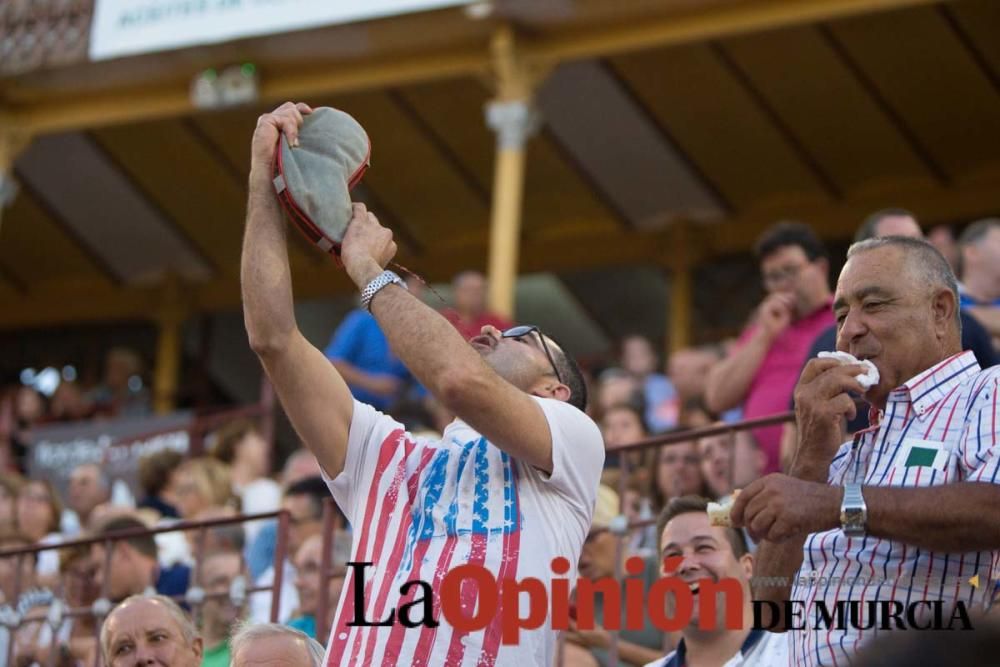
(940, 427)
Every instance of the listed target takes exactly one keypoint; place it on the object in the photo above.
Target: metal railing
(194, 597)
(332, 529)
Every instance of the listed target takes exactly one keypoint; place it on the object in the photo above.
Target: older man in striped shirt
(896, 528)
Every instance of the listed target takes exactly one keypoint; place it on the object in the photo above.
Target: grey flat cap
(314, 180)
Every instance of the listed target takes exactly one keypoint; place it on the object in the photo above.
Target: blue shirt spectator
(360, 351)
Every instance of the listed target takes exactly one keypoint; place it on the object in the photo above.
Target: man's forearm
(265, 276)
(952, 518)
(425, 341)
(729, 381)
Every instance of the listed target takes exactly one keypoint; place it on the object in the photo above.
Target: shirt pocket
(924, 463)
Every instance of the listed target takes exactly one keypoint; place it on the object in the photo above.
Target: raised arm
(729, 380)
(315, 397)
(440, 358)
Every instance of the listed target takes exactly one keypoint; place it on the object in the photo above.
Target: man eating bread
(894, 517)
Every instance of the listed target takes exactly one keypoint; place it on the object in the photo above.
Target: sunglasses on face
(517, 333)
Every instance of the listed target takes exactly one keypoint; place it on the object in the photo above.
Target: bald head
(150, 630)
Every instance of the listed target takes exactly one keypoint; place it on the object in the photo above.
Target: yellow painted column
(680, 307)
(166, 372)
(513, 118)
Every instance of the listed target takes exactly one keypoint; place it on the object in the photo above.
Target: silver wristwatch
(380, 281)
(853, 511)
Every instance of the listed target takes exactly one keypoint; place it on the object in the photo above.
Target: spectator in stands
(88, 487)
(600, 559)
(68, 403)
(79, 590)
(980, 274)
(712, 552)
(274, 644)
(121, 392)
(219, 615)
(360, 353)
(677, 473)
(133, 567)
(299, 465)
(716, 454)
(38, 513)
(469, 314)
(915, 484)
(887, 222)
(900, 222)
(531, 441)
(308, 560)
(228, 537)
(940, 237)
(156, 480)
(12, 565)
(200, 483)
(10, 488)
(304, 503)
(27, 410)
(662, 405)
(150, 631)
(761, 372)
(240, 445)
(688, 371)
(623, 424)
(616, 386)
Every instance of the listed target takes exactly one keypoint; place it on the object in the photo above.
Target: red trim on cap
(302, 221)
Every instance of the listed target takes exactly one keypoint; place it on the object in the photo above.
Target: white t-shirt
(421, 507)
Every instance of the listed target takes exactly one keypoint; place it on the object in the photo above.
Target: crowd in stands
(635, 394)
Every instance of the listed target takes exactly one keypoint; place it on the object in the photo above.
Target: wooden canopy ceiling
(674, 132)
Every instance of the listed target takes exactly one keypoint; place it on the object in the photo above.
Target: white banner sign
(129, 27)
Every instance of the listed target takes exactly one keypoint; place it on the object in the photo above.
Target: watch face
(852, 516)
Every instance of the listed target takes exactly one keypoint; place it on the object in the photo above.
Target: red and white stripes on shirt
(940, 427)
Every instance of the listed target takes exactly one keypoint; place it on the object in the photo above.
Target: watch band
(371, 289)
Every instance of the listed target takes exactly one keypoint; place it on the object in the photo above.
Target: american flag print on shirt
(418, 524)
(941, 427)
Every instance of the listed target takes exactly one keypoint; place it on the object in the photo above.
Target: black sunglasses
(524, 330)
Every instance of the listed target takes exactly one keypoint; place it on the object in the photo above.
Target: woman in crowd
(623, 424)
(677, 473)
(241, 446)
(38, 514)
(201, 483)
(155, 478)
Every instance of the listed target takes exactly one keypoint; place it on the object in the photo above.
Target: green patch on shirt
(920, 456)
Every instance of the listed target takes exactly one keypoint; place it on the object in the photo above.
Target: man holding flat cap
(509, 487)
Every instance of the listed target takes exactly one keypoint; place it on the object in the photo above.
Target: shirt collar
(925, 389)
(678, 657)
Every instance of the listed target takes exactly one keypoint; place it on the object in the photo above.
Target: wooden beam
(713, 22)
(60, 302)
(44, 114)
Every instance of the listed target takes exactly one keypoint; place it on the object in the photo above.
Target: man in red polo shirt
(761, 372)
